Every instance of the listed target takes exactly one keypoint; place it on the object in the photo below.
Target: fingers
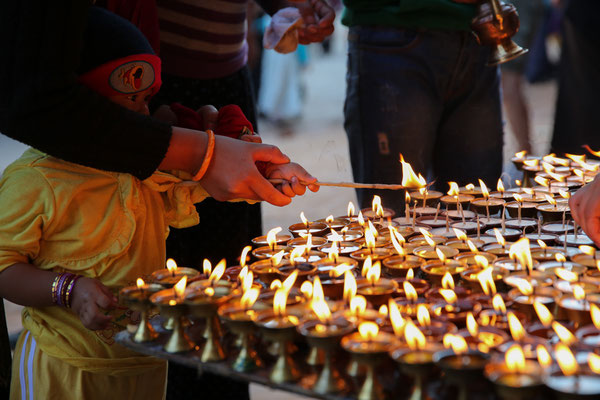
(251, 138)
(270, 154)
(92, 318)
(318, 19)
(267, 192)
(298, 188)
(210, 116)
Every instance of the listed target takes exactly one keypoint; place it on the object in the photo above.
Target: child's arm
(28, 285)
(295, 178)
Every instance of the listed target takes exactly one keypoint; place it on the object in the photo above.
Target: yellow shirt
(104, 225)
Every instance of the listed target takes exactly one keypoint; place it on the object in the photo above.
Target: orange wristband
(210, 148)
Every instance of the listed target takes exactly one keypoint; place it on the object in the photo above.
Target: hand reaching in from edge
(90, 298)
(318, 19)
(585, 208)
(294, 178)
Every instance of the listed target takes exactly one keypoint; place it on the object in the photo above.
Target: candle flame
(349, 286)
(595, 153)
(472, 247)
(522, 252)
(374, 273)
(368, 330)
(383, 311)
(307, 289)
(560, 258)
(303, 218)
(171, 266)
(140, 283)
(595, 311)
(218, 272)
(516, 329)
(275, 284)
(543, 314)
(564, 335)
(430, 241)
(541, 180)
(472, 326)
(414, 337)
(329, 219)
(594, 362)
(441, 255)
(272, 237)
(589, 250)
(454, 190)
(448, 295)
(499, 237)
(500, 186)
(367, 264)
(276, 258)
(447, 281)
(423, 315)
(486, 280)
(351, 209)
(317, 292)
(247, 281)
(179, 287)
(498, 304)
(518, 197)
(564, 194)
(409, 291)
(249, 298)
(206, 267)
(369, 238)
(358, 305)
(470, 187)
(334, 252)
(409, 178)
(396, 318)
(543, 356)
(481, 261)
(578, 292)
(340, 270)
(532, 163)
(566, 275)
(524, 286)
(321, 310)
(484, 189)
(541, 243)
(457, 343)
(280, 302)
(410, 274)
(515, 359)
(244, 257)
(376, 203)
(566, 360)
(550, 199)
(521, 154)
(461, 235)
(397, 246)
(288, 283)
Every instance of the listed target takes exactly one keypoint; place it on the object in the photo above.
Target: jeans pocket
(382, 40)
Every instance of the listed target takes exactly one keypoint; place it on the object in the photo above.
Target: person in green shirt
(418, 84)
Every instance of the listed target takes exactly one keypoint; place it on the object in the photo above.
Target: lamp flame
(321, 310)
(594, 362)
(541, 180)
(374, 273)
(414, 337)
(578, 292)
(454, 190)
(349, 286)
(461, 235)
(441, 255)
(171, 266)
(566, 360)
(423, 315)
(367, 264)
(484, 189)
(410, 274)
(500, 186)
(595, 311)
(448, 295)
(275, 284)
(340, 270)
(280, 302)
(368, 330)
(288, 283)
(247, 281)
(317, 292)
(358, 305)
(522, 252)
(515, 359)
(307, 289)
(499, 237)
(589, 250)
(244, 256)
(521, 154)
(409, 291)
(206, 267)
(329, 219)
(276, 258)
(472, 326)
(218, 272)
(179, 287)
(409, 178)
(376, 203)
(272, 236)
(486, 280)
(396, 318)
(543, 314)
(447, 281)
(140, 283)
(516, 329)
(249, 298)
(543, 356)
(566, 275)
(458, 344)
(524, 286)
(564, 335)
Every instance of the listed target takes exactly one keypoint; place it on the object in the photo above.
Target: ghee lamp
(435, 270)
(589, 335)
(273, 237)
(426, 197)
(138, 299)
(172, 274)
(461, 241)
(525, 295)
(375, 289)
(377, 211)
(514, 377)
(411, 284)
(170, 303)
(433, 295)
(463, 367)
(309, 241)
(487, 204)
(325, 333)
(571, 379)
(454, 199)
(345, 235)
(484, 338)
(334, 223)
(369, 347)
(306, 227)
(274, 245)
(333, 279)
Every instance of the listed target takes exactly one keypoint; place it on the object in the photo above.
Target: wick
(437, 212)
(479, 228)
(414, 218)
(503, 221)
(462, 214)
(425, 198)
(487, 209)
(519, 212)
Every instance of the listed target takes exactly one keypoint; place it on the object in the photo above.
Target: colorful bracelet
(210, 148)
(70, 290)
(55, 289)
(62, 285)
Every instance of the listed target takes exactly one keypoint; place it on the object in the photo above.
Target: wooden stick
(277, 181)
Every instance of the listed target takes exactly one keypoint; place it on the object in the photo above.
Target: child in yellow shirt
(71, 236)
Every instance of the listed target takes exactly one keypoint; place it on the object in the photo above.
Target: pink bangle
(68, 298)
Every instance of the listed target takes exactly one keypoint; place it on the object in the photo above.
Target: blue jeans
(428, 95)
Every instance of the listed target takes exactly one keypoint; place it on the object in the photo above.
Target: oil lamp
(371, 251)
(416, 360)
(463, 367)
(398, 265)
(345, 235)
(267, 270)
(308, 241)
(377, 211)
(552, 211)
(571, 379)
(238, 317)
(461, 241)
(487, 204)
(369, 347)
(306, 227)
(432, 249)
(172, 274)
(333, 278)
(525, 295)
(273, 239)
(334, 223)
(279, 326)
(170, 303)
(375, 289)
(419, 286)
(576, 307)
(484, 338)
(138, 299)
(325, 333)
(497, 315)
(203, 298)
(514, 377)
(452, 309)
(589, 335)
(435, 270)
(519, 208)
(433, 295)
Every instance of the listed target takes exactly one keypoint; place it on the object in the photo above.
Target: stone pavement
(318, 143)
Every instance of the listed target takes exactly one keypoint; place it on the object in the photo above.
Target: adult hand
(90, 298)
(318, 19)
(210, 116)
(585, 208)
(232, 173)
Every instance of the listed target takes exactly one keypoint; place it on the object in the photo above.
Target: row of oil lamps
(523, 313)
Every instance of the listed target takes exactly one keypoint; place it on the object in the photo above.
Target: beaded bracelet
(210, 148)
(70, 290)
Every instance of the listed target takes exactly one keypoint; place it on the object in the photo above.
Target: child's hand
(90, 298)
(295, 178)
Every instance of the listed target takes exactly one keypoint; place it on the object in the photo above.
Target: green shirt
(431, 14)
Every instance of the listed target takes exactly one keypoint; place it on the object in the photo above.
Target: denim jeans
(427, 95)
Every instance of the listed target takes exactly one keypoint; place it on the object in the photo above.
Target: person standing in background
(418, 84)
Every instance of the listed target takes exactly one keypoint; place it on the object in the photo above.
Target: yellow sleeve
(26, 206)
